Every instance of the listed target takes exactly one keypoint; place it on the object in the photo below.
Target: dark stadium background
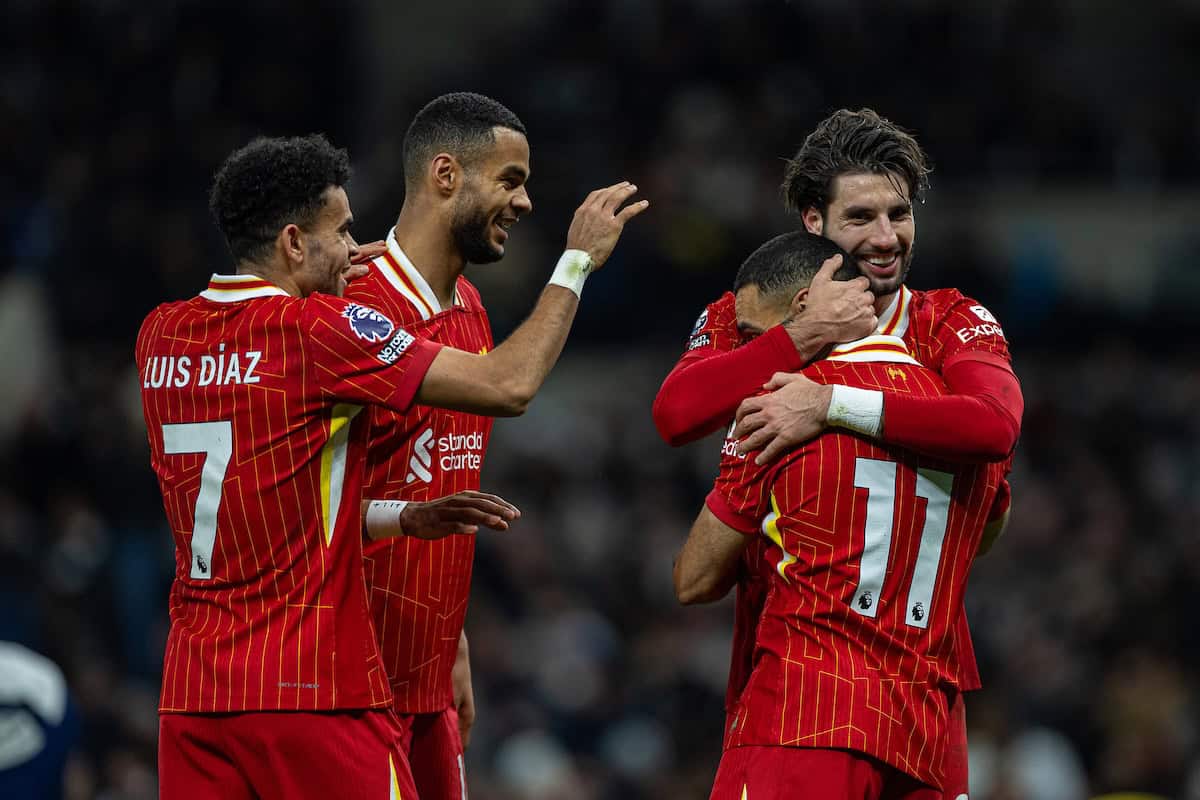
(1066, 196)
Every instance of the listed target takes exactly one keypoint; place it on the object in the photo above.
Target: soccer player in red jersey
(854, 181)
(252, 393)
(855, 662)
(466, 163)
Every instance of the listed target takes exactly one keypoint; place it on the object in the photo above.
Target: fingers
(751, 405)
(754, 441)
(488, 503)
(749, 424)
(771, 451)
(632, 210)
(828, 267)
(781, 379)
(355, 271)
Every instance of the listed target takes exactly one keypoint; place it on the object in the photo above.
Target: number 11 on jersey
(879, 479)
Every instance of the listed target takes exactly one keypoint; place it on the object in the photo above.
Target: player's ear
(814, 220)
(798, 302)
(290, 242)
(446, 173)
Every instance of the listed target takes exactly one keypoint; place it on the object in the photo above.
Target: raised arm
(504, 381)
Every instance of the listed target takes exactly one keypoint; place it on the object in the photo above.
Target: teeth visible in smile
(881, 261)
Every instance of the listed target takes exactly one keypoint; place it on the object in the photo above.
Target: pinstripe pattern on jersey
(282, 622)
(419, 589)
(826, 676)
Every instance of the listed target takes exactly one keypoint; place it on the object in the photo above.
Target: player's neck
(431, 249)
(271, 274)
(883, 301)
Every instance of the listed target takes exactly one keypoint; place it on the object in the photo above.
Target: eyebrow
(515, 170)
(863, 211)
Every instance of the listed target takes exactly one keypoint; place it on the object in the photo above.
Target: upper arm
(361, 356)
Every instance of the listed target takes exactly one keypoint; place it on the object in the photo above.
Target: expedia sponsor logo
(396, 347)
(729, 446)
(703, 340)
(367, 323)
(979, 332)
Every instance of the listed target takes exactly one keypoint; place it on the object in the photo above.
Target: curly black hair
(270, 183)
(853, 141)
(459, 123)
(788, 263)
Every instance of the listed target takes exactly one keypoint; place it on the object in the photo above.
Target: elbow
(513, 398)
(1002, 441)
(665, 424)
(692, 589)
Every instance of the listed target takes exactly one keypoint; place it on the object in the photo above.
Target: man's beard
(884, 286)
(471, 229)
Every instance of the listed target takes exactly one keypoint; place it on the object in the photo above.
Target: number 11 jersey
(868, 556)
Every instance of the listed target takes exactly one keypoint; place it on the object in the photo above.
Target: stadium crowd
(590, 681)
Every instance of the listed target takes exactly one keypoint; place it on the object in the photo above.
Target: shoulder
(941, 303)
(378, 291)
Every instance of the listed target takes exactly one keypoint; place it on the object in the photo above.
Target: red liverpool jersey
(419, 588)
(869, 555)
(252, 400)
(937, 326)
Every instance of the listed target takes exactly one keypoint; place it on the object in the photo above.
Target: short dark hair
(270, 183)
(461, 124)
(847, 142)
(788, 263)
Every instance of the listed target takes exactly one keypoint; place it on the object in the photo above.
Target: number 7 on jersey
(215, 440)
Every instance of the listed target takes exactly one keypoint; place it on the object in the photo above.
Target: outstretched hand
(463, 512)
(599, 221)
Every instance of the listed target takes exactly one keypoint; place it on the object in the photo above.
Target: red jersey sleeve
(740, 496)
(963, 328)
(714, 374)
(361, 356)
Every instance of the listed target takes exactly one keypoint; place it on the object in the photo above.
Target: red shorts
(783, 773)
(435, 753)
(955, 787)
(261, 755)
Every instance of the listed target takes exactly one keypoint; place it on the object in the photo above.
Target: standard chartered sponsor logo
(454, 451)
(422, 457)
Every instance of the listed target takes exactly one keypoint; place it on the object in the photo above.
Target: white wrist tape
(572, 270)
(383, 518)
(858, 410)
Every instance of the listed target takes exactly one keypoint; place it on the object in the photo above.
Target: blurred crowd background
(1066, 197)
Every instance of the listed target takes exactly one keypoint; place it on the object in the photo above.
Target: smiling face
(492, 198)
(328, 247)
(871, 217)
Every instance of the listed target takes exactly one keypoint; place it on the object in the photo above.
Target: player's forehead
(868, 190)
(336, 209)
(508, 153)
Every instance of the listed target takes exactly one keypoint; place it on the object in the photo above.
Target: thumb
(828, 267)
(781, 379)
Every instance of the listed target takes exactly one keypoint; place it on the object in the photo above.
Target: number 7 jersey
(253, 401)
(868, 556)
